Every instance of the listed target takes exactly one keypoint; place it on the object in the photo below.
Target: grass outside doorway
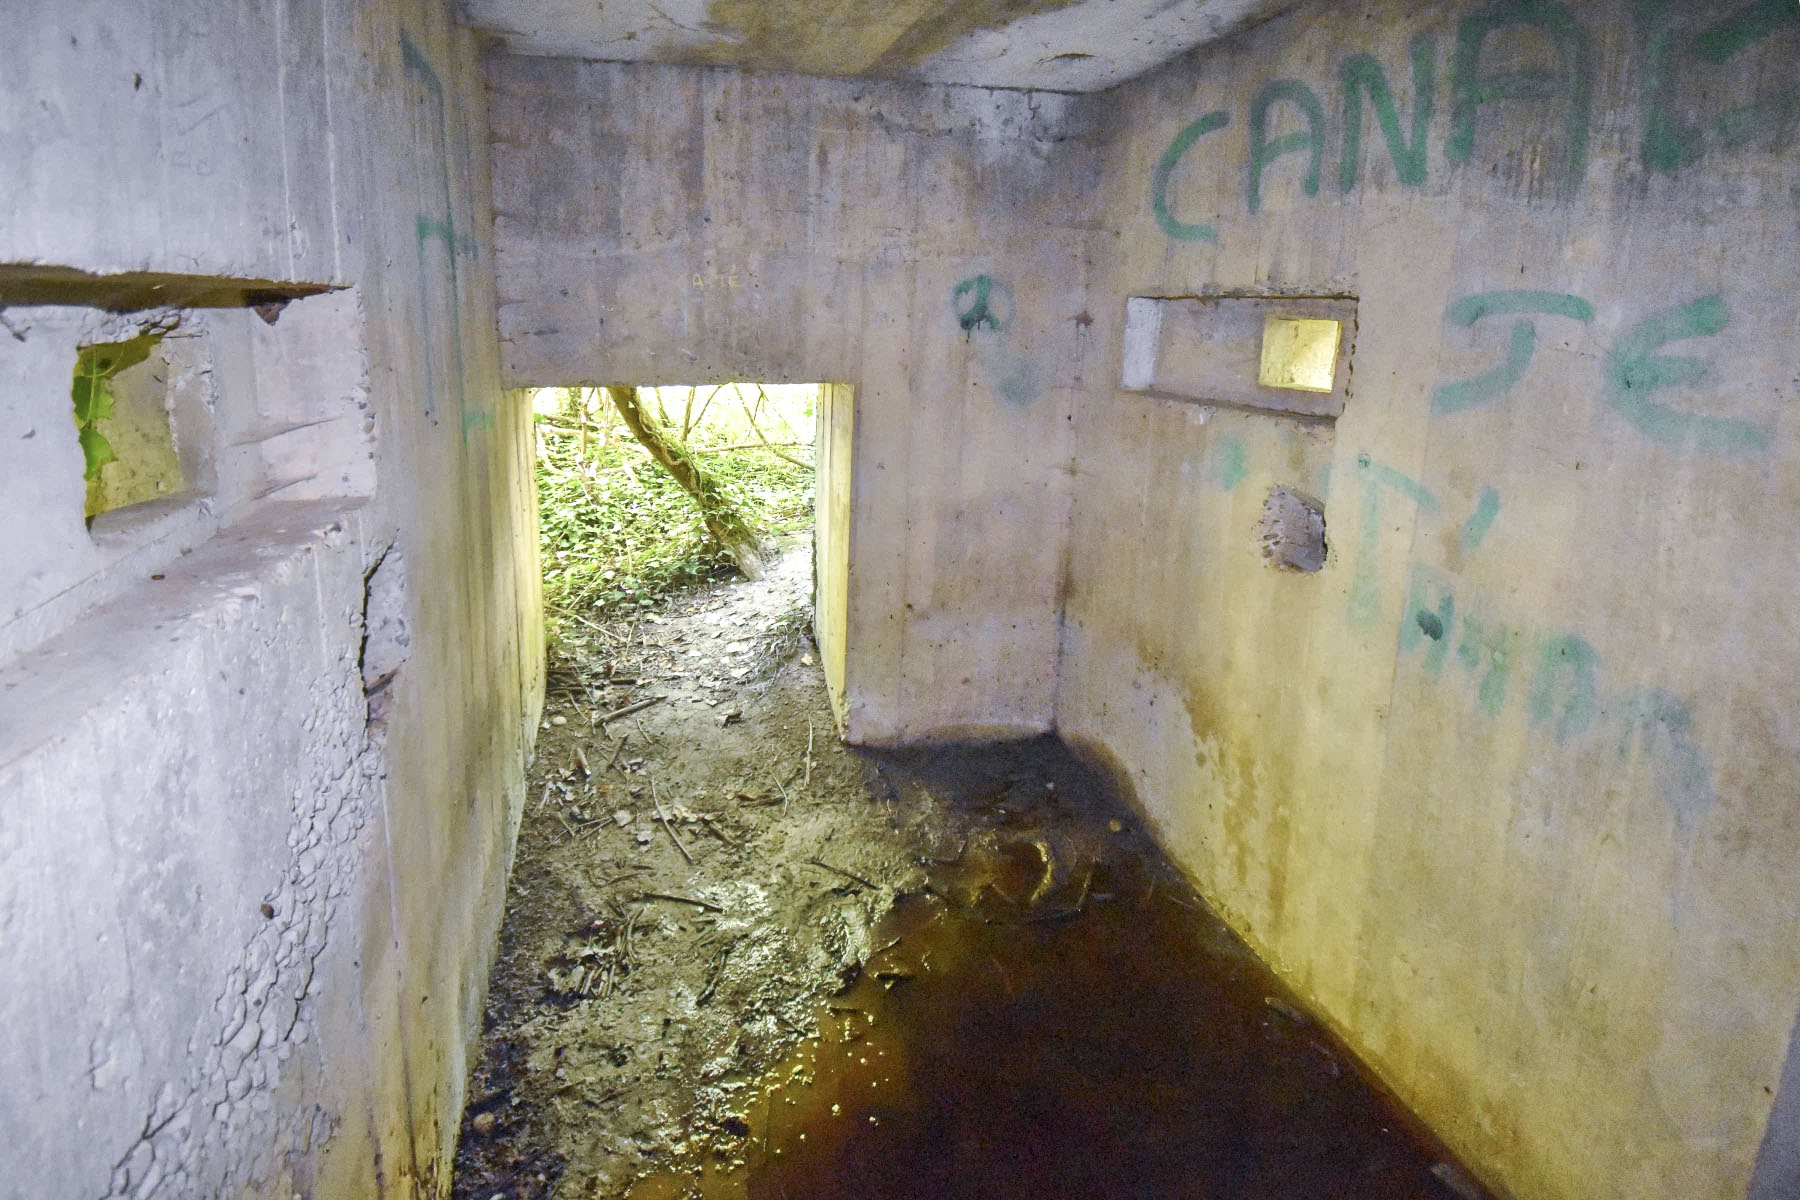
(617, 532)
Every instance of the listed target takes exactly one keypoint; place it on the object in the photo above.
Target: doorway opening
(617, 529)
(644, 492)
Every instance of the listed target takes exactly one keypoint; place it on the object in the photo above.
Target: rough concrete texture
(684, 225)
(1293, 530)
(245, 927)
(1507, 788)
(1046, 45)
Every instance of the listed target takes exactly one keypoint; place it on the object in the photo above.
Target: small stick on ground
(720, 833)
(709, 907)
(664, 818)
(576, 616)
(618, 746)
(846, 874)
(807, 782)
(616, 713)
(716, 974)
(631, 874)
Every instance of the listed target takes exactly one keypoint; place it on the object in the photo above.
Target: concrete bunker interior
(1502, 792)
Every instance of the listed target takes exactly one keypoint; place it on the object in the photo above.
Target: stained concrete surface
(1050, 45)
(659, 223)
(1507, 786)
(729, 971)
(243, 926)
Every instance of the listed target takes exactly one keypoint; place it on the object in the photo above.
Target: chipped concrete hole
(741, 959)
(1292, 528)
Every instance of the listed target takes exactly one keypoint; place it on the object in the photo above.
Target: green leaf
(96, 450)
(100, 405)
(83, 391)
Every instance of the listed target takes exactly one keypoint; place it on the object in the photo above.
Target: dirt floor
(723, 924)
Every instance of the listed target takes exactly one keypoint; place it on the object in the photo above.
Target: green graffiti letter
(1471, 393)
(1661, 723)
(1743, 28)
(1165, 167)
(1667, 142)
(1486, 647)
(1230, 463)
(1482, 519)
(1670, 143)
(1634, 370)
(1573, 656)
(1263, 151)
(1573, 84)
(1420, 621)
(1363, 72)
(1364, 602)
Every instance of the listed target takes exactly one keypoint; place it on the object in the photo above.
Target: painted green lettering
(1230, 463)
(1662, 724)
(1667, 142)
(1165, 167)
(1482, 519)
(1634, 371)
(1421, 621)
(1363, 72)
(1743, 28)
(1670, 143)
(1471, 393)
(1363, 601)
(1312, 139)
(1573, 84)
(1573, 656)
(1485, 649)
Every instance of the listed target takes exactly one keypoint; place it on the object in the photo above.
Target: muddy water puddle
(1054, 1015)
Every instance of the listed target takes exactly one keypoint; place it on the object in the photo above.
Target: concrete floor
(948, 972)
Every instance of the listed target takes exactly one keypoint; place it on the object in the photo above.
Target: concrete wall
(261, 744)
(1507, 788)
(832, 443)
(925, 244)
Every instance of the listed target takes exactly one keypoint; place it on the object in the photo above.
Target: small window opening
(122, 417)
(1299, 353)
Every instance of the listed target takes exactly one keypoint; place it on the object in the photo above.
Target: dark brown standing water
(1056, 1016)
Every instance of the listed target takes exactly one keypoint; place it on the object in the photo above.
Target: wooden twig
(709, 907)
(719, 833)
(616, 713)
(757, 429)
(716, 974)
(807, 782)
(846, 874)
(575, 617)
(664, 818)
(618, 746)
(750, 446)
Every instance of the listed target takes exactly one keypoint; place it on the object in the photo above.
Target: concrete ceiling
(1056, 45)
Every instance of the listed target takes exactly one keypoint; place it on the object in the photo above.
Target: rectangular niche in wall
(146, 414)
(1284, 354)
